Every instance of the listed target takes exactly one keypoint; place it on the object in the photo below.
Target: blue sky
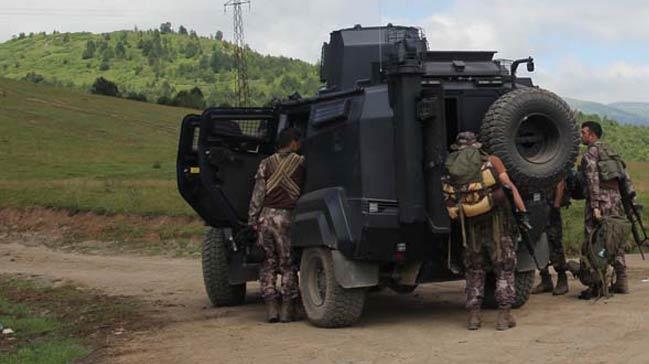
(583, 49)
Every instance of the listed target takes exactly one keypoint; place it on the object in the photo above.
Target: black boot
(287, 311)
(546, 283)
(621, 284)
(474, 320)
(272, 310)
(505, 319)
(562, 284)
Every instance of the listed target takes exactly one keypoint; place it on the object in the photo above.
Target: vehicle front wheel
(326, 303)
(215, 271)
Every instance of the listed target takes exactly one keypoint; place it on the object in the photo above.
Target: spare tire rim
(537, 138)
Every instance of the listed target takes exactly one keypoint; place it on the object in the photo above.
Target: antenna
(241, 85)
(380, 37)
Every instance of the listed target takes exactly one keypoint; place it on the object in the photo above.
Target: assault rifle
(523, 223)
(633, 215)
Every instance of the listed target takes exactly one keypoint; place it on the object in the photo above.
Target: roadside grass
(61, 324)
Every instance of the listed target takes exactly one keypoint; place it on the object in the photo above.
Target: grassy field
(64, 148)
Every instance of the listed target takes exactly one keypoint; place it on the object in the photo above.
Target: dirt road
(426, 327)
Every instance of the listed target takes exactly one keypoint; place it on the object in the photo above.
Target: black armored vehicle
(375, 139)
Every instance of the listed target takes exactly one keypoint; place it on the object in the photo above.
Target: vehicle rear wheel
(326, 303)
(523, 283)
(535, 134)
(215, 271)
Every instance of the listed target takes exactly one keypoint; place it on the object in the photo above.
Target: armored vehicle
(375, 139)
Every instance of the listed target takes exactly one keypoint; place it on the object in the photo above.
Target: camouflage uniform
(606, 198)
(490, 243)
(277, 188)
(554, 231)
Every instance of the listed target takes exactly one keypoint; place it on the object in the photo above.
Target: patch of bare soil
(89, 232)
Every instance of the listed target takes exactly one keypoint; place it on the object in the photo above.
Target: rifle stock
(633, 216)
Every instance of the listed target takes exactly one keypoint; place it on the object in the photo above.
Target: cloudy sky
(590, 50)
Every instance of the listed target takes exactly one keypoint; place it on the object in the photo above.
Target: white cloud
(619, 81)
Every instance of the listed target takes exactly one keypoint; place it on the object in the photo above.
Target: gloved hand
(524, 220)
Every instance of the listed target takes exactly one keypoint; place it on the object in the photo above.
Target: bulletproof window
(195, 135)
(256, 128)
(325, 113)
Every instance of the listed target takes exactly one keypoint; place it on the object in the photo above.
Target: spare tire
(535, 134)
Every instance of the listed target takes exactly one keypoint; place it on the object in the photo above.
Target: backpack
(610, 164)
(468, 184)
(608, 239)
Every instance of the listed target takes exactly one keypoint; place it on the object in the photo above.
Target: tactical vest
(469, 183)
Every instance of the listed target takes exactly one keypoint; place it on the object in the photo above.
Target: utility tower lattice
(241, 85)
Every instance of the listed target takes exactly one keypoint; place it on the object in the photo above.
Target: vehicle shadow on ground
(443, 305)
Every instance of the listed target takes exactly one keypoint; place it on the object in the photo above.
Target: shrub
(102, 86)
(137, 96)
(34, 77)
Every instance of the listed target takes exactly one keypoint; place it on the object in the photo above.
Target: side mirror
(530, 66)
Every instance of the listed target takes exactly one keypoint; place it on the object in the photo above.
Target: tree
(102, 86)
(219, 35)
(182, 30)
(89, 51)
(120, 50)
(192, 34)
(191, 49)
(165, 28)
(219, 61)
(203, 63)
(190, 98)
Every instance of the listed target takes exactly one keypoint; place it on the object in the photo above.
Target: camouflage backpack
(610, 164)
(468, 183)
(608, 239)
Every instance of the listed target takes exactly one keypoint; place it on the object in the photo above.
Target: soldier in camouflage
(489, 239)
(602, 199)
(278, 184)
(554, 230)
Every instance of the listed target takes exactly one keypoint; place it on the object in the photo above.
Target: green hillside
(152, 63)
(65, 148)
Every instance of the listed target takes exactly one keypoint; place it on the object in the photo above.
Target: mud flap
(241, 272)
(524, 259)
(354, 274)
